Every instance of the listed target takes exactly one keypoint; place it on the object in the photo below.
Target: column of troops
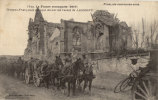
(73, 72)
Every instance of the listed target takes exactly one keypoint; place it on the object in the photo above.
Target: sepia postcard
(78, 50)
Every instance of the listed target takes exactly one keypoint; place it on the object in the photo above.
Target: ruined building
(102, 35)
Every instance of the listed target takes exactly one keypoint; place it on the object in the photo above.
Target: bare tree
(148, 37)
(147, 42)
(143, 33)
(156, 39)
(135, 38)
(153, 28)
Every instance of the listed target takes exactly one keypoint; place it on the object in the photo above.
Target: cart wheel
(36, 80)
(144, 90)
(27, 77)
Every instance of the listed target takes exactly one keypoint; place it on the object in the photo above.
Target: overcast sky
(13, 24)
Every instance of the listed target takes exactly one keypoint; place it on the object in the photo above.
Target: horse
(56, 71)
(70, 75)
(46, 74)
(87, 77)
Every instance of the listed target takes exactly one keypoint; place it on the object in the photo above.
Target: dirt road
(14, 89)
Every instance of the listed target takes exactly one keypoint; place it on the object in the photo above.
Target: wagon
(143, 82)
(33, 74)
(146, 88)
(38, 77)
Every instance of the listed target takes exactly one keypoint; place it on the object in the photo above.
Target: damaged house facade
(102, 35)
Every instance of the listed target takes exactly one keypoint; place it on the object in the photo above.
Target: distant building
(102, 35)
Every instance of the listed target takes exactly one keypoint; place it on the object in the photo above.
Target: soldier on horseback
(68, 62)
(85, 60)
(87, 75)
(58, 63)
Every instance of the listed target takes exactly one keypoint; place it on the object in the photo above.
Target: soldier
(58, 62)
(44, 66)
(74, 56)
(46, 73)
(68, 62)
(19, 67)
(85, 60)
(152, 64)
(30, 64)
(20, 61)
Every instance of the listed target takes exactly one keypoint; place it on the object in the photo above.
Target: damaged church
(102, 35)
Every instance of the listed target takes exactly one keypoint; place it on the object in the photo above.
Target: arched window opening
(76, 36)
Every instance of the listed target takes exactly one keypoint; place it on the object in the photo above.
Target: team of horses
(76, 76)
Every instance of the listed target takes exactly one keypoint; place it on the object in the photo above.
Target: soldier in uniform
(58, 62)
(85, 61)
(152, 64)
(20, 61)
(45, 71)
(19, 67)
(74, 57)
(44, 66)
(68, 62)
(30, 65)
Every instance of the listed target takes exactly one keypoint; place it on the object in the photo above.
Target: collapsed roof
(105, 17)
